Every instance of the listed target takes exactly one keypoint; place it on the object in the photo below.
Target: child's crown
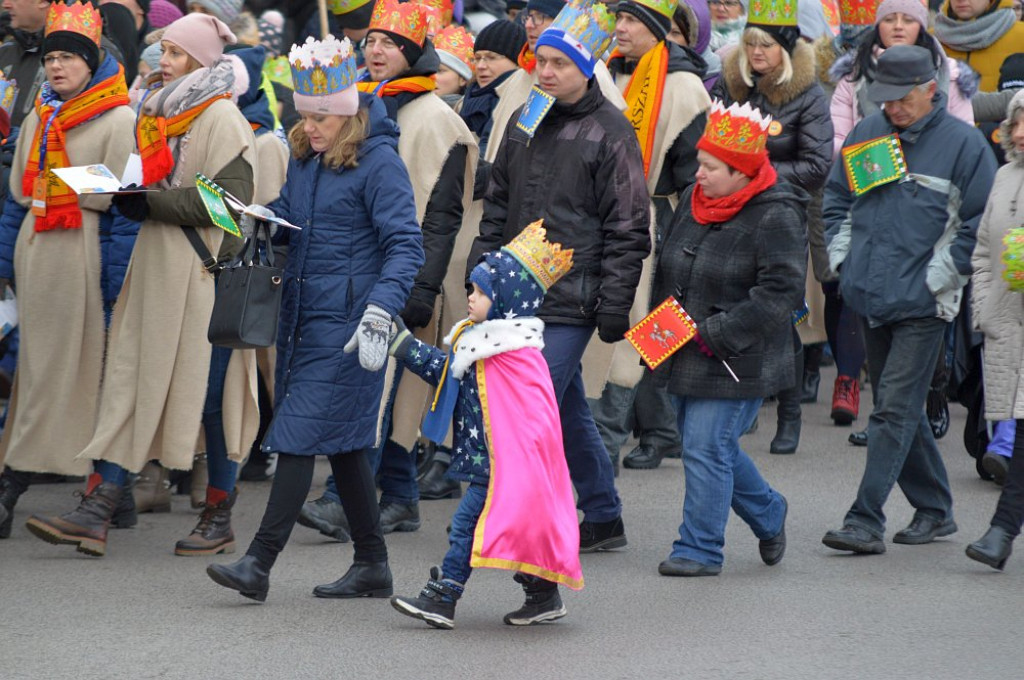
(546, 261)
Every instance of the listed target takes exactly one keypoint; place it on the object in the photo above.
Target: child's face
(479, 305)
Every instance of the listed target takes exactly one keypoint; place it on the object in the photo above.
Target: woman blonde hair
(345, 150)
(754, 36)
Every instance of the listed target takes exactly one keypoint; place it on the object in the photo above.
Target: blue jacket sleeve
(117, 240)
(281, 206)
(425, 360)
(10, 224)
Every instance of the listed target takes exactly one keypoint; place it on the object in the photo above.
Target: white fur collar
(490, 338)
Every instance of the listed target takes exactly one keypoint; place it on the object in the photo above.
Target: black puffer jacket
(583, 174)
(801, 146)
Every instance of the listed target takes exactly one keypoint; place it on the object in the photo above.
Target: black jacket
(582, 173)
(21, 60)
(740, 281)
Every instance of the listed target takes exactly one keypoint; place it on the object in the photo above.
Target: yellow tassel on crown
(546, 261)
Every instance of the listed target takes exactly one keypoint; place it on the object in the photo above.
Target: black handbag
(248, 299)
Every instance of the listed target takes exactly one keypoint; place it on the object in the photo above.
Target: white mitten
(371, 338)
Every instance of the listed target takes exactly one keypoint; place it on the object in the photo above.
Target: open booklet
(99, 179)
(215, 197)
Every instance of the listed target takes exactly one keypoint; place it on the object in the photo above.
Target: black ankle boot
(12, 485)
(125, 514)
(363, 579)
(810, 377)
(435, 485)
(543, 603)
(250, 578)
(787, 436)
(993, 548)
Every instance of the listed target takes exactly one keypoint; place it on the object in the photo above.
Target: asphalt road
(922, 612)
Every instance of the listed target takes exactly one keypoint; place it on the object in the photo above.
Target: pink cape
(529, 521)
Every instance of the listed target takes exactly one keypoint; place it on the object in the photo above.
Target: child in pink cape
(518, 510)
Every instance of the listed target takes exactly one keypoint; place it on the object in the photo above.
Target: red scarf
(717, 210)
(527, 60)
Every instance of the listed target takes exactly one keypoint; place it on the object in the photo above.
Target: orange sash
(55, 204)
(152, 133)
(643, 97)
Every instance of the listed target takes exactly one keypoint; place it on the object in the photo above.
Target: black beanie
(410, 50)
(784, 35)
(657, 24)
(502, 37)
(357, 19)
(1011, 73)
(75, 43)
(548, 7)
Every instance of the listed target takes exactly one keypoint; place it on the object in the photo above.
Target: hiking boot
(363, 579)
(436, 602)
(125, 515)
(399, 517)
(601, 536)
(845, 400)
(543, 603)
(435, 484)
(152, 491)
(937, 408)
(250, 578)
(213, 534)
(86, 526)
(326, 516)
(642, 457)
(12, 485)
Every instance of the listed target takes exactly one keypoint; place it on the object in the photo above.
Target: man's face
(634, 39)
(913, 107)
(27, 15)
(134, 8)
(384, 58)
(559, 76)
(536, 22)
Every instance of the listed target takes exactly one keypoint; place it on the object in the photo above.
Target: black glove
(417, 313)
(134, 206)
(612, 327)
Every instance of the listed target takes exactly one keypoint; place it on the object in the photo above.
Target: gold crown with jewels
(545, 261)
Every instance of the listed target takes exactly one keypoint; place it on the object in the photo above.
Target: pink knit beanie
(202, 36)
(162, 13)
(912, 8)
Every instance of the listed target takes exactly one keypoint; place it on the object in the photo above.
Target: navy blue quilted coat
(360, 244)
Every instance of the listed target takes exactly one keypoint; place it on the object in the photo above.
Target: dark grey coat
(740, 281)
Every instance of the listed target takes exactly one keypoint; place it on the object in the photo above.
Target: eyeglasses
(538, 18)
(725, 3)
(488, 58)
(64, 59)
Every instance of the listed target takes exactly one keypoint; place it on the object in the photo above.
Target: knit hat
(271, 25)
(162, 13)
(737, 136)
(324, 75)
(351, 14)
(912, 8)
(550, 8)
(777, 18)
(151, 55)
(405, 23)
(656, 15)
(517, 277)
(582, 31)
(454, 47)
(225, 10)
(202, 36)
(1011, 73)
(502, 37)
(76, 28)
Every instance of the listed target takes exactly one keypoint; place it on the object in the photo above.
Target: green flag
(873, 163)
(213, 199)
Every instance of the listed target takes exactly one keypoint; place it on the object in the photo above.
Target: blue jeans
(460, 540)
(395, 465)
(589, 466)
(719, 475)
(901, 448)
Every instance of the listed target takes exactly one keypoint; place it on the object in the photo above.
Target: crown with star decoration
(858, 12)
(79, 17)
(545, 261)
(588, 23)
(772, 12)
(322, 67)
(407, 19)
(740, 128)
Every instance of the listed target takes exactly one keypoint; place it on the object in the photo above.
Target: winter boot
(435, 485)
(543, 603)
(12, 485)
(152, 491)
(85, 526)
(363, 579)
(845, 400)
(810, 377)
(125, 514)
(326, 516)
(200, 480)
(399, 517)
(787, 436)
(213, 534)
(436, 602)
(250, 578)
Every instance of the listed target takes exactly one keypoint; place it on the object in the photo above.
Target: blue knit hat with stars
(512, 289)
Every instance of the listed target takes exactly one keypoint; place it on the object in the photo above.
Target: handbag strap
(209, 261)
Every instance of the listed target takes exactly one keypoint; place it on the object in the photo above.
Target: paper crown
(456, 41)
(666, 8)
(322, 67)
(443, 8)
(345, 6)
(740, 131)
(406, 19)
(545, 261)
(589, 23)
(8, 93)
(858, 12)
(80, 17)
(772, 12)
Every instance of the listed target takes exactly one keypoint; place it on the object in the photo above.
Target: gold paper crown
(740, 128)
(79, 17)
(545, 261)
(406, 19)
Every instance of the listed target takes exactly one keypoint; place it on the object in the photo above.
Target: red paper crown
(456, 41)
(739, 129)
(858, 12)
(406, 19)
(80, 17)
(443, 7)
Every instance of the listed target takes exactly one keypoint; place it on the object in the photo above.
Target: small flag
(873, 163)
(213, 199)
(661, 333)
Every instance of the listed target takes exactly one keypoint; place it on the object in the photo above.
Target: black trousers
(291, 485)
(1010, 510)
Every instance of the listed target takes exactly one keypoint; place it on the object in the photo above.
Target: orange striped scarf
(389, 88)
(152, 133)
(643, 97)
(49, 152)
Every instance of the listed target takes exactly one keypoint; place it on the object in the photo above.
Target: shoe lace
(844, 390)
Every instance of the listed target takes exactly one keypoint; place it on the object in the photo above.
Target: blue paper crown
(322, 67)
(8, 93)
(589, 23)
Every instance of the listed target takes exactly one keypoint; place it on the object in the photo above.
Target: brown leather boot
(213, 534)
(200, 480)
(153, 491)
(85, 526)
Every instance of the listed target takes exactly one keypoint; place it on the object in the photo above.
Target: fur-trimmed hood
(804, 76)
(490, 338)
(1006, 129)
